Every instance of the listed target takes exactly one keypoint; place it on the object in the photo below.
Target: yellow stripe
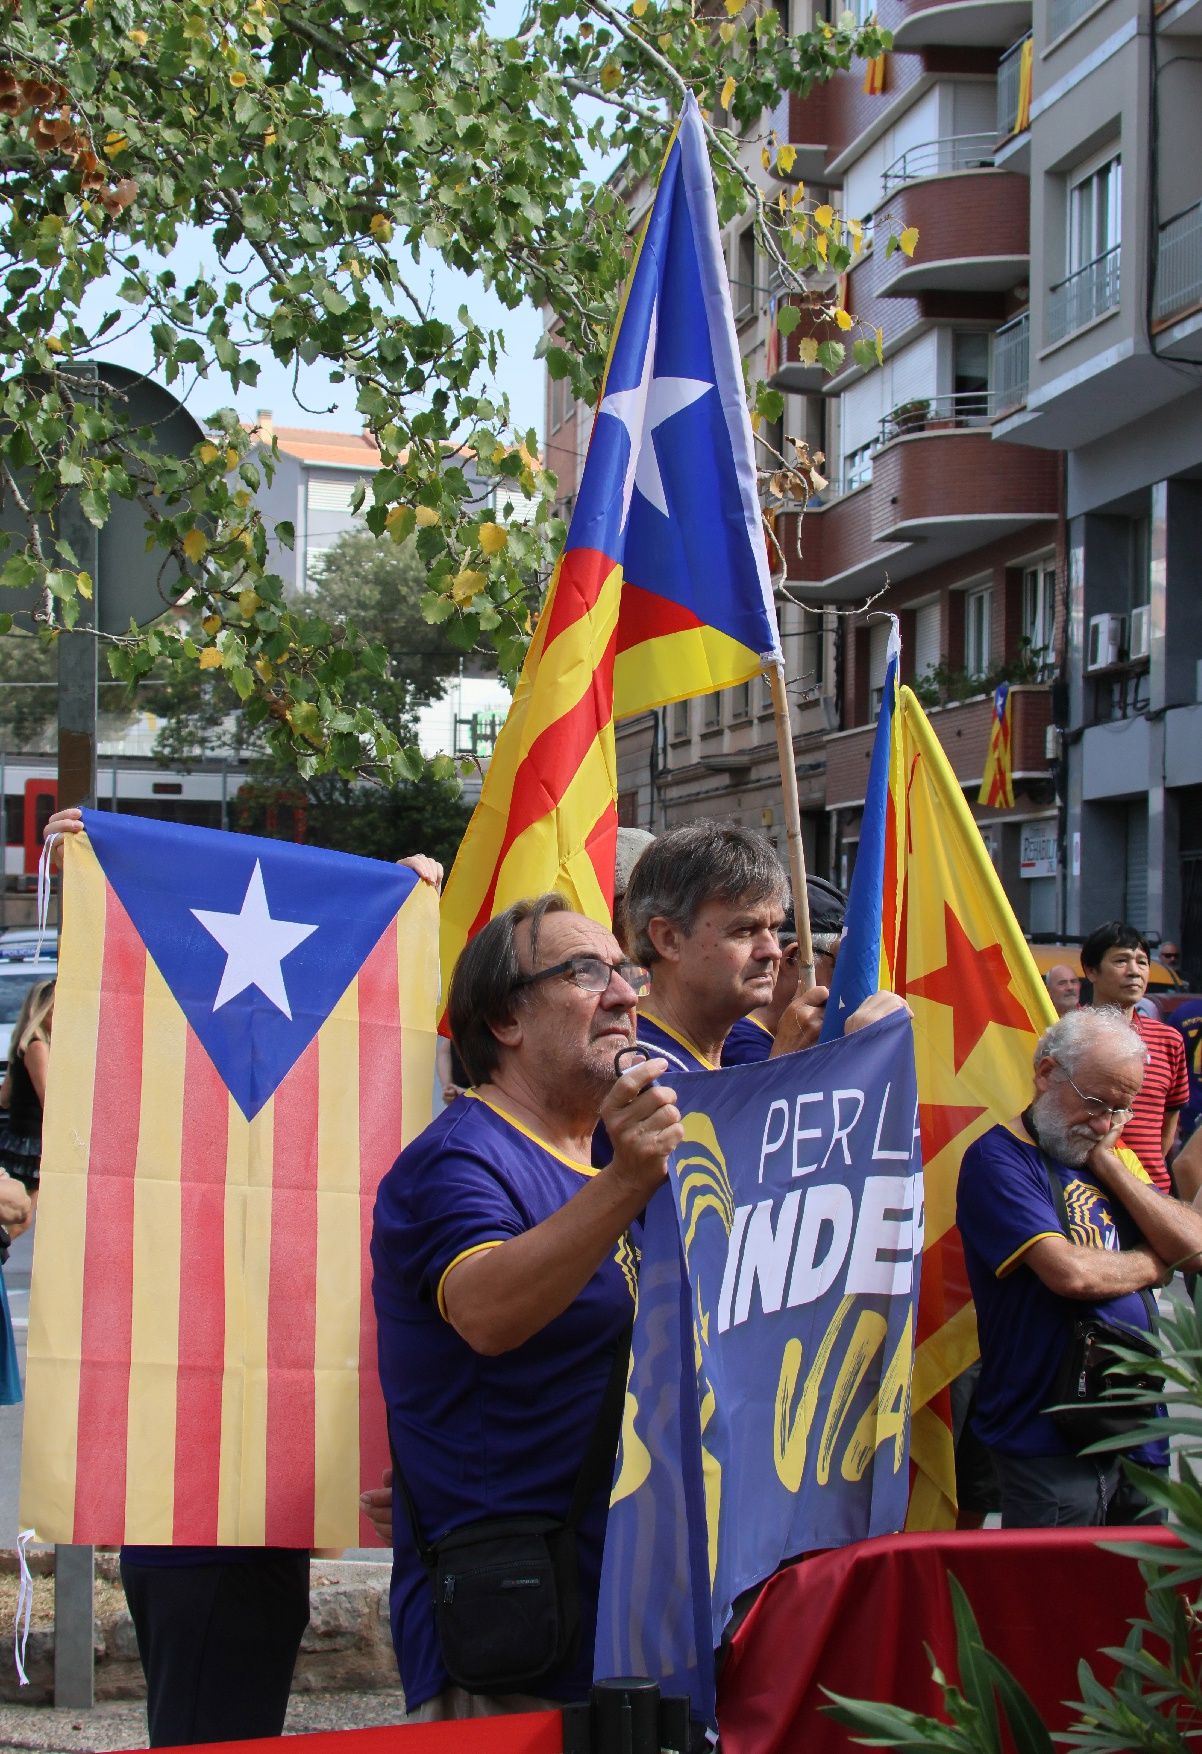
(476, 1249)
(933, 1497)
(689, 1046)
(1012, 1261)
(572, 1162)
(417, 974)
(233, 1411)
(56, 1301)
(336, 1342)
(150, 1450)
(943, 1355)
(701, 658)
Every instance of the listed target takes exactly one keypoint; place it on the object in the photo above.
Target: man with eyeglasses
(505, 1271)
(1058, 1225)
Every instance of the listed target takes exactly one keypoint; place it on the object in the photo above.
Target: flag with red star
(997, 783)
(953, 948)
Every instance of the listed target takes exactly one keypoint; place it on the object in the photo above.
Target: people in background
(1064, 988)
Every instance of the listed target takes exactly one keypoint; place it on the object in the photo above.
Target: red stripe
(644, 616)
(582, 574)
(292, 1309)
(549, 767)
(204, 1153)
(602, 849)
(380, 1097)
(107, 1329)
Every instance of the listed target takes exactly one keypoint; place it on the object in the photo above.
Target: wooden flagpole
(792, 808)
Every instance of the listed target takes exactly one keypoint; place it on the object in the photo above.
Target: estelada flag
(243, 1041)
(997, 782)
(662, 591)
(930, 920)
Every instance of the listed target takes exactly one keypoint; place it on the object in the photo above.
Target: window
(971, 376)
(740, 702)
(978, 613)
(857, 467)
(1140, 564)
(744, 275)
(878, 652)
(927, 639)
(1039, 615)
(711, 713)
(680, 719)
(1094, 218)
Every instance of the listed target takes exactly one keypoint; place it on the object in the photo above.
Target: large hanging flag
(770, 1363)
(243, 1041)
(663, 589)
(997, 782)
(959, 958)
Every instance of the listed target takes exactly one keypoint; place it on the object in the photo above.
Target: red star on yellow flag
(975, 984)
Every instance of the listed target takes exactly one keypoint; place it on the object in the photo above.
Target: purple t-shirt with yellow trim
(749, 1043)
(1003, 1206)
(485, 1437)
(680, 1053)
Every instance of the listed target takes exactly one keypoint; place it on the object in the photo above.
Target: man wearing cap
(751, 1037)
(704, 908)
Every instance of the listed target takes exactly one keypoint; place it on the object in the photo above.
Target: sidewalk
(119, 1724)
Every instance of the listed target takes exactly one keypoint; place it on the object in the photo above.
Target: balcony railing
(1011, 363)
(932, 414)
(1063, 14)
(1179, 263)
(937, 158)
(1083, 296)
(1009, 90)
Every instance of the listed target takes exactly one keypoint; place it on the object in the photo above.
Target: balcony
(1013, 103)
(786, 368)
(973, 221)
(1092, 292)
(922, 24)
(1179, 266)
(963, 730)
(939, 489)
(1010, 364)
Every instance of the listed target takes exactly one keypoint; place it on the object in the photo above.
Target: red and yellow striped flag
(243, 1041)
(997, 782)
(874, 76)
(663, 589)
(979, 1007)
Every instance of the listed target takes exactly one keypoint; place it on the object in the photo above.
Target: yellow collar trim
(580, 1168)
(689, 1046)
(760, 1025)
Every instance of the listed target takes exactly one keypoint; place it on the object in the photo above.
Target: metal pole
(74, 1631)
(791, 806)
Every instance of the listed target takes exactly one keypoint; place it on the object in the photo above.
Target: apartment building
(1020, 482)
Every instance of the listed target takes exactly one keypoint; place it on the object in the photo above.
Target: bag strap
(598, 1457)
(1056, 1189)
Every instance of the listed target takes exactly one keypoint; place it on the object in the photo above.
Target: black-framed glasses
(592, 974)
(1095, 1108)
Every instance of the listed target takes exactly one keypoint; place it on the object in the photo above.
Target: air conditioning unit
(1107, 634)
(1139, 643)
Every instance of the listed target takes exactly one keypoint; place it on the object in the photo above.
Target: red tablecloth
(856, 1620)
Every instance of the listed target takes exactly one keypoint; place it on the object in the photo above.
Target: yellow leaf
(242, 498)
(799, 195)
(785, 158)
(880, 345)
(611, 76)
(844, 319)
(208, 454)
(824, 216)
(380, 227)
(765, 155)
(729, 89)
(734, 6)
(726, 30)
(210, 658)
(237, 80)
(426, 516)
(231, 459)
(782, 202)
(53, 344)
(639, 8)
(757, 420)
(248, 602)
(907, 240)
(855, 227)
(211, 625)
(807, 350)
(820, 244)
(269, 137)
(493, 538)
(467, 584)
(395, 514)
(83, 584)
(138, 38)
(195, 543)
(114, 144)
(266, 668)
(665, 41)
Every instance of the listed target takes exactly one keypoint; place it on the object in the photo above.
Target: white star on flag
(643, 409)
(255, 945)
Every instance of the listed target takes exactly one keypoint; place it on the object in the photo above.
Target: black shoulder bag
(1083, 1413)
(507, 1589)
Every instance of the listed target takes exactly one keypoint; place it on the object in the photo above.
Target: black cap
(827, 908)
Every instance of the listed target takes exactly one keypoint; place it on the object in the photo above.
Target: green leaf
(787, 318)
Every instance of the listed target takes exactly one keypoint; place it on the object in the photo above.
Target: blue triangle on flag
(256, 939)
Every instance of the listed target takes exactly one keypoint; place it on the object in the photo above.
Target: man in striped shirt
(1115, 959)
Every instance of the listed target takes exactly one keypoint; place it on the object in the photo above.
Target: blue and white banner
(767, 1410)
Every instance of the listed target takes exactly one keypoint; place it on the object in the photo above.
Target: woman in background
(24, 1090)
